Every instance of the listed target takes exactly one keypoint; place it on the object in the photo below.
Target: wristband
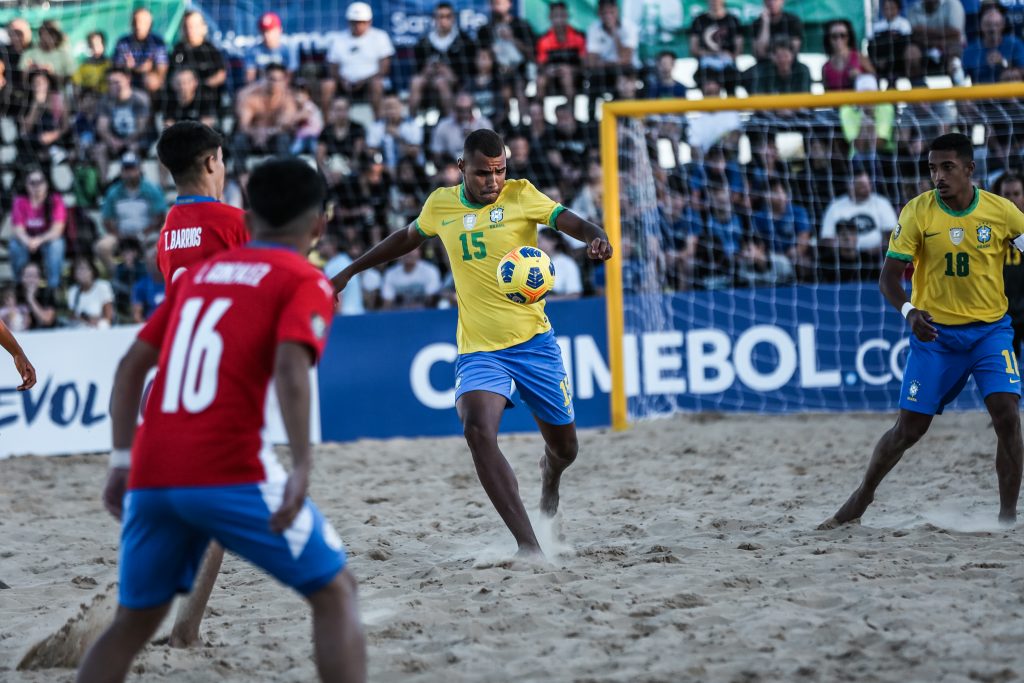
(907, 308)
(121, 457)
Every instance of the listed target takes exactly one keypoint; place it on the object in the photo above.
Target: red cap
(269, 21)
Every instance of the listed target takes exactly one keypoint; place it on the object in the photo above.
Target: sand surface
(689, 554)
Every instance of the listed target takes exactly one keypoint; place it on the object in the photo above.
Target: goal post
(615, 113)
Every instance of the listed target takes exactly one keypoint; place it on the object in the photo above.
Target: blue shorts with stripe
(534, 368)
(937, 371)
(166, 531)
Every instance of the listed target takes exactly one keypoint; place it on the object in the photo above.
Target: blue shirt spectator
(271, 50)
(722, 224)
(147, 294)
(663, 85)
(781, 225)
(133, 205)
(143, 53)
(986, 58)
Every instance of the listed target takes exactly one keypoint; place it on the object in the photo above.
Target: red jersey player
(199, 469)
(198, 226)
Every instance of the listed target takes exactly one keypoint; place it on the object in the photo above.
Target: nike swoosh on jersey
(930, 234)
(450, 220)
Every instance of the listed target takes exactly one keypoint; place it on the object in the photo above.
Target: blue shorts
(534, 367)
(938, 370)
(166, 532)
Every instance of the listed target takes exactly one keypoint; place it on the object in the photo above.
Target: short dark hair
(284, 188)
(118, 70)
(557, 5)
(999, 186)
(954, 142)
(101, 34)
(274, 66)
(485, 141)
(444, 4)
(183, 146)
(604, 3)
(665, 53)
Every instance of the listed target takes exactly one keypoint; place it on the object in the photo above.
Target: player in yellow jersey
(501, 344)
(957, 237)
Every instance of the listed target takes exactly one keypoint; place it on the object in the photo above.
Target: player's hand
(340, 281)
(921, 324)
(294, 499)
(599, 249)
(27, 372)
(113, 492)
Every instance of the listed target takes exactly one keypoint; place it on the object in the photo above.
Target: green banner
(112, 17)
(665, 24)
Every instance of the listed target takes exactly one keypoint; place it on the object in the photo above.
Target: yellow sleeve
(1014, 220)
(426, 222)
(537, 206)
(906, 238)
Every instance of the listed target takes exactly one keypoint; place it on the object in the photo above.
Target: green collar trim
(958, 214)
(465, 201)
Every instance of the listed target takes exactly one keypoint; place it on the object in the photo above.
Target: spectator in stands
(271, 50)
(123, 121)
(985, 58)
(759, 266)
(361, 58)
(845, 62)
(510, 39)
(612, 44)
(589, 201)
(395, 135)
(411, 188)
(937, 40)
(132, 208)
(842, 261)
(309, 122)
(19, 37)
(50, 54)
(485, 88)
(148, 291)
(143, 53)
(90, 299)
(773, 23)
(824, 175)
(197, 53)
(185, 104)
(560, 54)
(266, 113)
(664, 85)
(411, 283)
(782, 74)
(567, 144)
(526, 161)
(129, 270)
(444, 59)
(888, 45)
(335, 261)
(38, 219)
(341, 144)
(871, 213)
(451, 131)
(39, 299)
(716, 40)
(680, 228)
(13, 314)
(568, 280)
(91, 74)
(722, 224)
(783, 226)
(45, 119)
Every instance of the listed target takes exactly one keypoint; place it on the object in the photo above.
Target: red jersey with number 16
(218, 334)
(195, 229)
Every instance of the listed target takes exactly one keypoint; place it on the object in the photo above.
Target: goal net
(751, 235)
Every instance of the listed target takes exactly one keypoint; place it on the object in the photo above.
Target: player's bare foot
(1007, 519)
(833, 523)
(549, 481)
(182, 641)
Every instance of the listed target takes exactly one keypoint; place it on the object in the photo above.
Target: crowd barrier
(822, 348)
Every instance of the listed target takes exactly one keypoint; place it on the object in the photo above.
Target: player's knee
(909, 432)
(565, 450)
(1006, 419)
(478, 435)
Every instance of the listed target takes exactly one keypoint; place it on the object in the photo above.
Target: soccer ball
(526, 275)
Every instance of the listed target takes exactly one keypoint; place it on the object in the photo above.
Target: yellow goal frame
(611, 112)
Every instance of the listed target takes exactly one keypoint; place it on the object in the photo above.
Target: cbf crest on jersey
(984, 234)
(498, 214)
(956, 235)
(468, 221)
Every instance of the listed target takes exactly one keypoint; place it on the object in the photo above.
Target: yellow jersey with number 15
(958, 256)
(476, 238)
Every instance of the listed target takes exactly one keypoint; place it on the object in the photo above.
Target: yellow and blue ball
(526, 275)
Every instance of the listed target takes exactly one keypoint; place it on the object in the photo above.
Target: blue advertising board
(822, 348)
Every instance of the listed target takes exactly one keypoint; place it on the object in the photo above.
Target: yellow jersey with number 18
(476, 238)
(958, 256)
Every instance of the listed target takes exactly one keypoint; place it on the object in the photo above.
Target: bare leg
(1003, 407)
(338, 639)
(481, 412)
(185, 632)
(110, 657)
(376, 90)
(560, 450)
(907, 431)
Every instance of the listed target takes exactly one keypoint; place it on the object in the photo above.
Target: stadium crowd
(736, 212)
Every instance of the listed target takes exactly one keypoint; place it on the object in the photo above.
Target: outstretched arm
(595, 238)
(394, 245)
(25, 369)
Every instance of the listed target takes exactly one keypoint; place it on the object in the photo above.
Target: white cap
(359, 11)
